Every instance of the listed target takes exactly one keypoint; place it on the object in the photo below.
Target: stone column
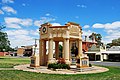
(57, 49)
(101, 57)
(41, 52)
(66, 50)
(70, 46)
(80, 51)
(63, 51)
(50, 51)
(44, 53)
(80, 48)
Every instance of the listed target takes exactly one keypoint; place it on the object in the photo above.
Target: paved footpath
(7, 69)
(43, 69)
(73, 70)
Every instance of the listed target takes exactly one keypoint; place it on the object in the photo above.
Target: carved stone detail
(74, 30)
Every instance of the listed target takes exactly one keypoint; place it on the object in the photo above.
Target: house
(20, 51)
(113, 53)
(2, 54)
(102, 54)
(95, 54)
(25, 51)
(29, 50)
(86, 44)
(114, 48)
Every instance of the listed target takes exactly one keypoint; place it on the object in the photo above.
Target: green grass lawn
(9, 62)
(112, 74)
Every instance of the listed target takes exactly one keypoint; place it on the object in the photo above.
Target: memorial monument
(68, 34)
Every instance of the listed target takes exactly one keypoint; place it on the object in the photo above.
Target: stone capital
(66, 38)
(80, 39)
(50, 39)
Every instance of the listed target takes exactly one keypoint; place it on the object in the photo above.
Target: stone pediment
(74, 28)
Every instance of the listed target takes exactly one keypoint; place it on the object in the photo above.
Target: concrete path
(43, 69)
(7, 69)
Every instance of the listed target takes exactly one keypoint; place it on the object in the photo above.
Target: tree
(92, 36)
(97, 38)
(115, 42)
(2, 27)
(4, 42)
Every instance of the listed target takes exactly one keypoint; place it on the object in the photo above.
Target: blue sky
(23, 17)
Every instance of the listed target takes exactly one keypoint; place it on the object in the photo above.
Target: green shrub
(78, 61)
(58, 66)
(65, 66)
(90, 65)
(51, 65)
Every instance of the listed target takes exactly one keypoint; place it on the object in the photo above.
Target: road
(116, 64)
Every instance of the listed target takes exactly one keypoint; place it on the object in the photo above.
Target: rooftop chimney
(85, 38)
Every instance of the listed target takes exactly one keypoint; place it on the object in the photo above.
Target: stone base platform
(73, 70)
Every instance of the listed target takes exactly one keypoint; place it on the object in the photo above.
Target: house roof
(88, 42)
(111, 52)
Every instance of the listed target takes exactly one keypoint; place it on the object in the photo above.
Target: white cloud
(20, 37)
(113, 25)
(17, 32)
(56, 24)
(9, 9)
(43, 20)
(87, 32)
(97, 25)
(108, 38)
(26, 22)
(7, 1)
(112, 30)
(82, 6)
(111, 34)
(78, 5)
(76, 17)
(47, 19)
(47, 14)
(34, 32)
(23, 4)
(13, 22)
(9, 20)
(86, 26)
(109, 31)
(21, 40)
(16, 26)
(1, 12)
(37, 23)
